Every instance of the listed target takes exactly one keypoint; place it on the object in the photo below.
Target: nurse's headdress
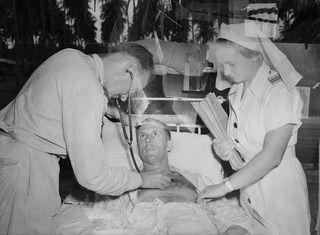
(250, 36)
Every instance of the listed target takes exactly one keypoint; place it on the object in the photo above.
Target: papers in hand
(216, 119)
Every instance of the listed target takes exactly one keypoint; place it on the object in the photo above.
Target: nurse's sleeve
(281, 108)
(83, 104)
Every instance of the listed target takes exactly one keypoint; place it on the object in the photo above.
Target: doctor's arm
(83, 106)
(274, 147)
(82, 112)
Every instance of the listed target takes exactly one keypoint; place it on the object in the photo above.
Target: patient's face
(152, 143)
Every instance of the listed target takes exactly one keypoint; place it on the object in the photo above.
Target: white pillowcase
(192, 154)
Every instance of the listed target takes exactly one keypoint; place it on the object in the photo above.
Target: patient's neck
(164, 165)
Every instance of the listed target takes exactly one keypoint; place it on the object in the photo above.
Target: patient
(154, 143)
(153, 211)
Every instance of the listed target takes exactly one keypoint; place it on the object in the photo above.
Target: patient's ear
(169, 145)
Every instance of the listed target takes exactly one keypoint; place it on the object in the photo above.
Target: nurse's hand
(155, 179)
(212, 192)
(223, 149)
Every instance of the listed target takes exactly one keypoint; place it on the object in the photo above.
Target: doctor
(59, 112)
(264, 118)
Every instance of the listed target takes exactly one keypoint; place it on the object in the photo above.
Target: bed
(192, 157)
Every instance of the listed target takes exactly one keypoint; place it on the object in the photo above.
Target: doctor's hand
(223, 149)
(212, 192)
(155, 179)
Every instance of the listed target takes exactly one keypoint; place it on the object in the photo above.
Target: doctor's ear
(131, 74)
(169, 145)
(131, 68)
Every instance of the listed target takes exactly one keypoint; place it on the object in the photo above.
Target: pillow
(192, 153)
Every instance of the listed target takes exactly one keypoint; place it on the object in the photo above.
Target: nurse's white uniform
(59, 111)
(280, 199)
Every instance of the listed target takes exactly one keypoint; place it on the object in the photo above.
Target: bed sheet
(120, 216)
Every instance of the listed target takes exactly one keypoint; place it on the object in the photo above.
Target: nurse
(59, 112)
(264, 118)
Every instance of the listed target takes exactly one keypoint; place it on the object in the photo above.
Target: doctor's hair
(143, 56)
(156, 123)
(246, 52)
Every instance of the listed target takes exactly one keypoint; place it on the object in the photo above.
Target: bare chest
(180, 190)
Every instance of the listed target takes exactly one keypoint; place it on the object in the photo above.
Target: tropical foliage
(32, 30)
(150, 17)
(303, 24)
(113, 20)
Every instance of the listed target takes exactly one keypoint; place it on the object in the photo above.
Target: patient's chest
(180, 190)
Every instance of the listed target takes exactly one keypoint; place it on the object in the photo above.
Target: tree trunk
(134, 10)
(17, 47)
(51, 21)
(31, 24)
(44, 33)
(162, 26)
(127, 14)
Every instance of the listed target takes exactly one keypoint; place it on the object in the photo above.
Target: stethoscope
(128, 138)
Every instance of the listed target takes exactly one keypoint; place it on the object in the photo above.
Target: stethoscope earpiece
(130, 73)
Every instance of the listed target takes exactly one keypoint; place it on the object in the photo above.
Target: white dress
(280, 199)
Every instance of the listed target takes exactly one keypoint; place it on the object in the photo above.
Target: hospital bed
(192, 156)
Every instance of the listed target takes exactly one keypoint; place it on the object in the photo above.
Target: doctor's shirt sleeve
(82, 112)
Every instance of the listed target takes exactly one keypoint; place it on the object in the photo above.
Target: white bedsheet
(155, 218)
(119, 216)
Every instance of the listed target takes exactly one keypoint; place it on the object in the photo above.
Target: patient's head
(154, 143)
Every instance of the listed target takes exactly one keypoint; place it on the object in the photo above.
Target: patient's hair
(144, 57)
(154, 122)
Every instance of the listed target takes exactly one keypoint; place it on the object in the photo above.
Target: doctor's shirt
(59, 111)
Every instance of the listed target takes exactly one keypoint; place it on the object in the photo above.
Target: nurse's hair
(143, 56)
(246, 52)
(154, 123)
